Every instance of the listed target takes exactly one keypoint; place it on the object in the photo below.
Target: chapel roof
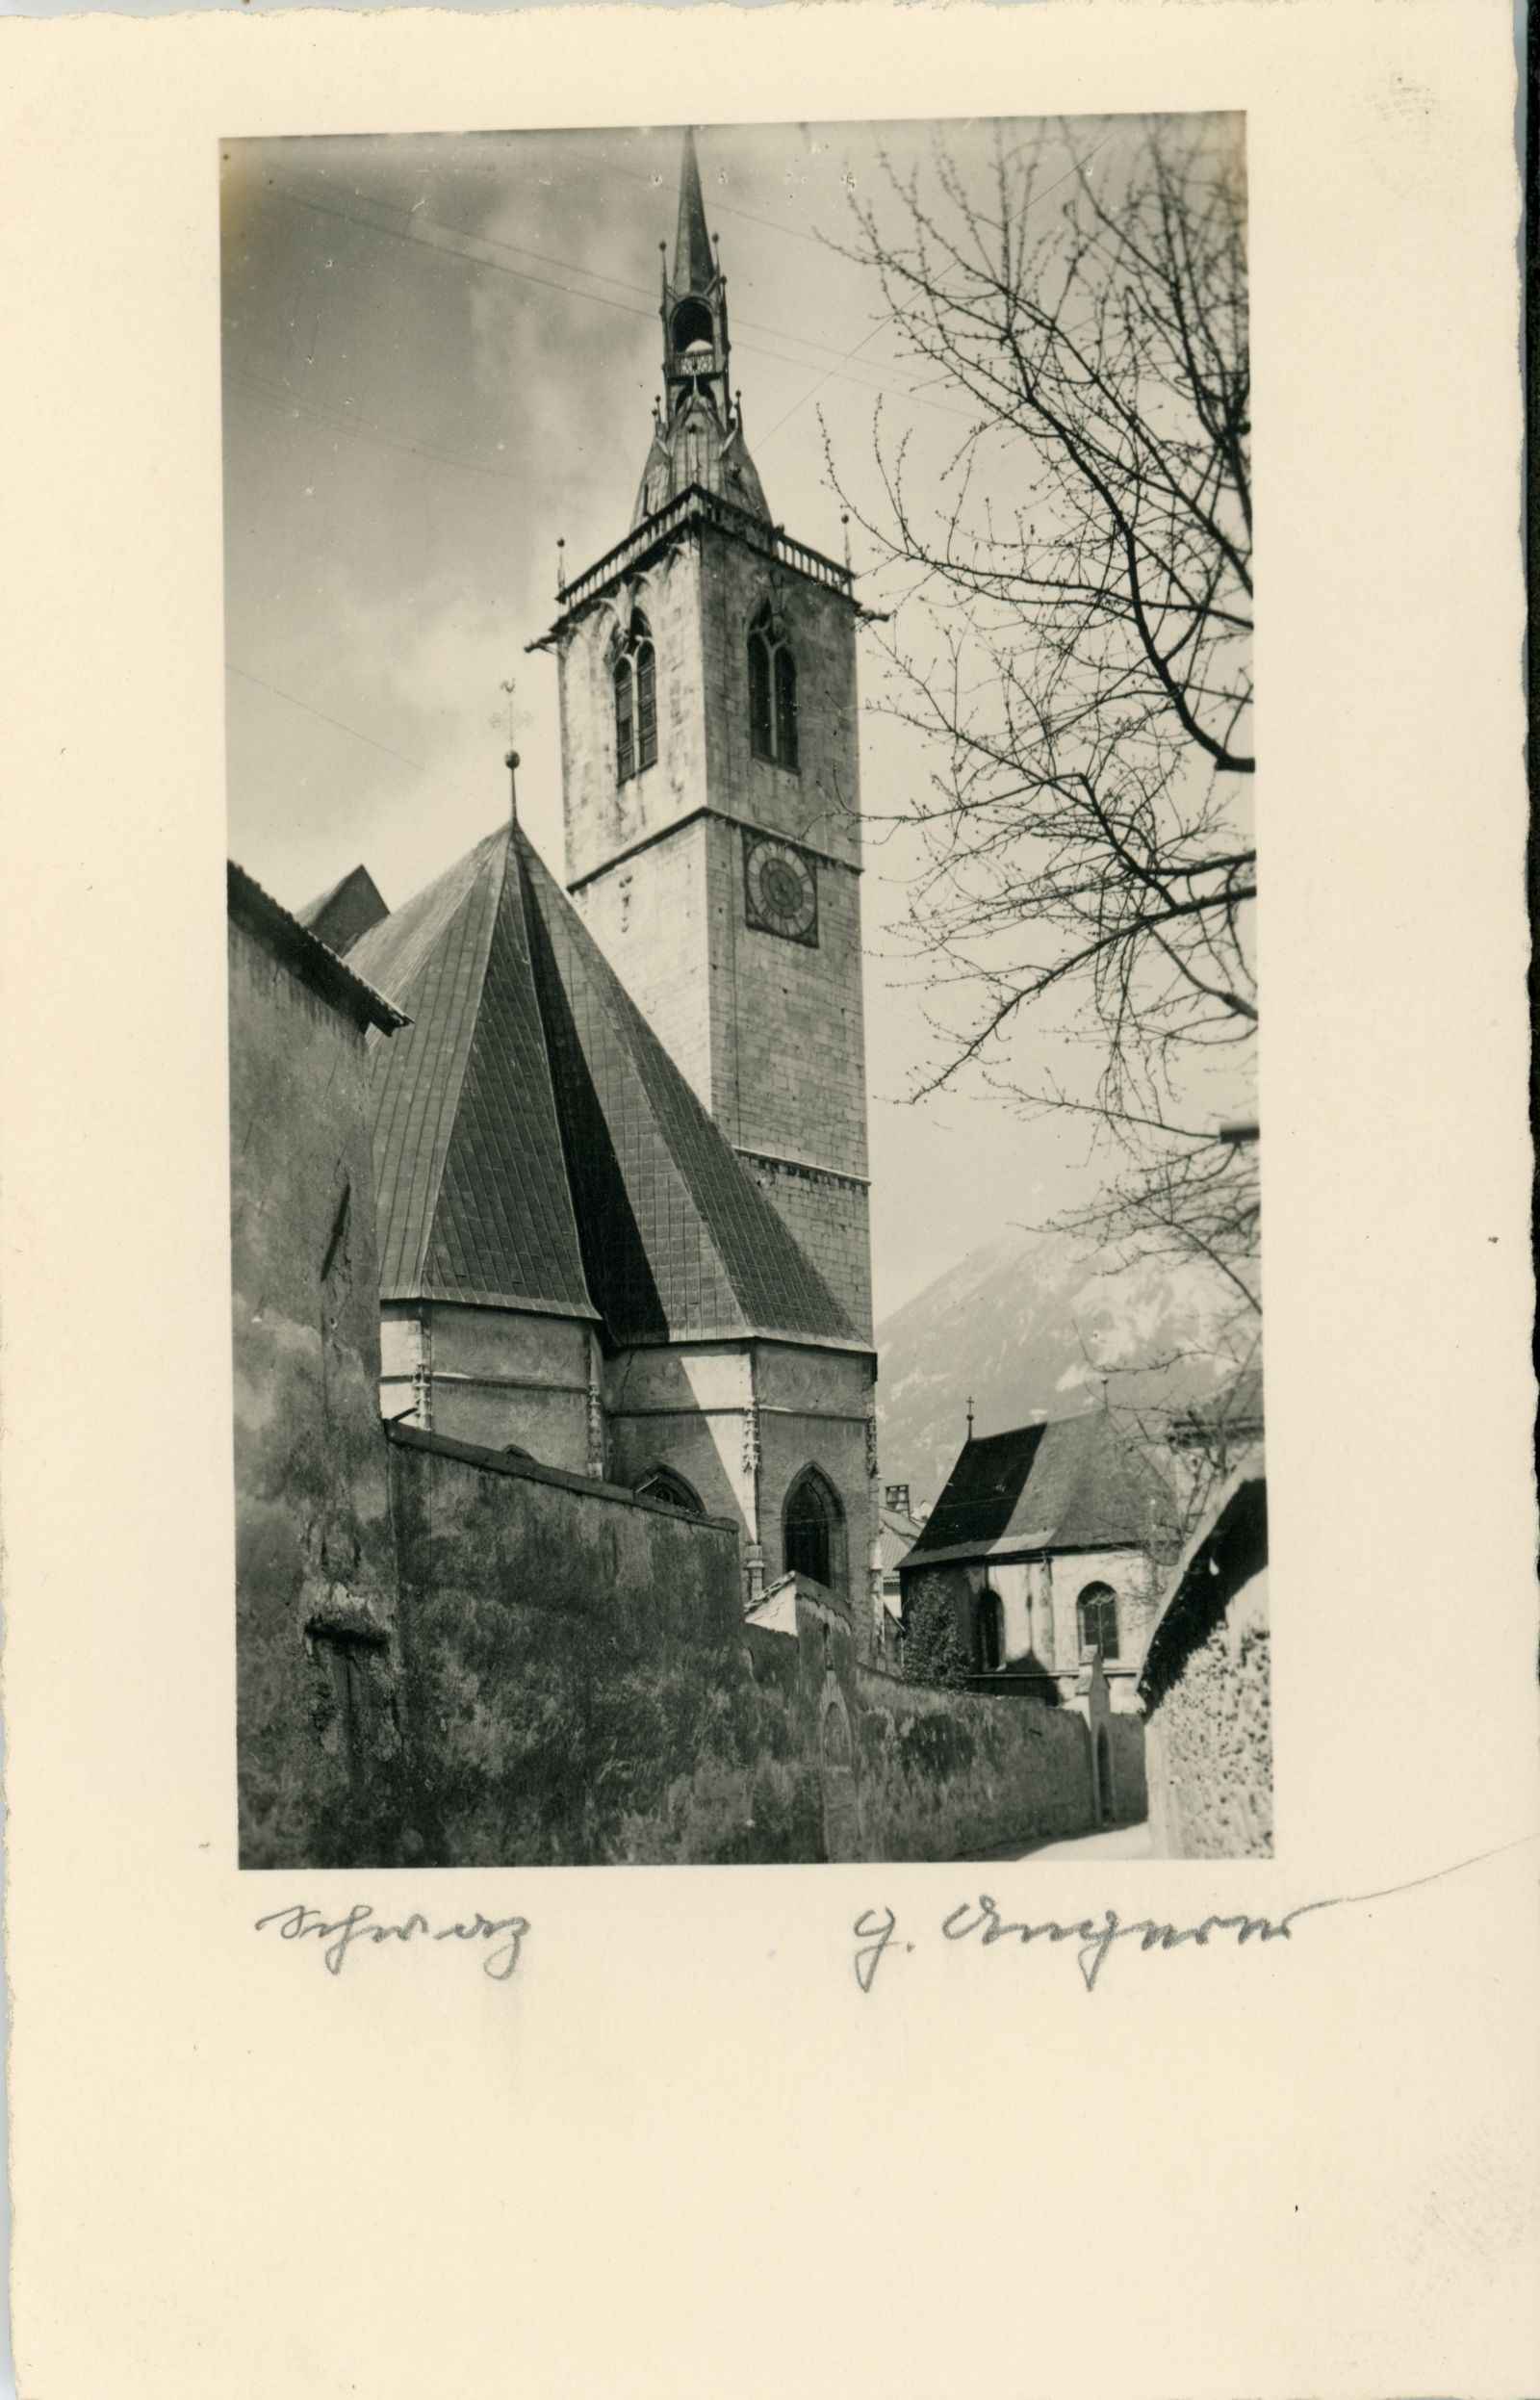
(536, 1147)
(1075, 1483)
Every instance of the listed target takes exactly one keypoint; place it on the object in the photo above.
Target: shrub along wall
(946, 1773)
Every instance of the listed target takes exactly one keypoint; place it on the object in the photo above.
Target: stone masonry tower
(709, 779)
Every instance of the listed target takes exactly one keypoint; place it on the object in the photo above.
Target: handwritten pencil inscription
(982, 1923)
(337, 1935)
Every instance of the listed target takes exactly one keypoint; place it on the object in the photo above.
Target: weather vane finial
(970, 1416)
(510, 758)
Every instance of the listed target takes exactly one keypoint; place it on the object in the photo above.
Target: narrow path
(1113, 1841)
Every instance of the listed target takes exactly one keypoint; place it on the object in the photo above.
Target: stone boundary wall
(944, 1772)
(575, 1683)
(570, 1681)
(1211, 1738)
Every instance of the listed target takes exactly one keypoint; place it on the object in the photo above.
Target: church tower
(708, 717)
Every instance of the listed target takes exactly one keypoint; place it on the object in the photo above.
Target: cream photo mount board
(681, 2145)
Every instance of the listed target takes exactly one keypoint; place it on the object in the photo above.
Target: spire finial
(510, 756)
(561, 564)
(970, 1416)
(694, 264)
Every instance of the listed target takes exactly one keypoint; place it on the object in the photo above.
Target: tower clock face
(780, 890)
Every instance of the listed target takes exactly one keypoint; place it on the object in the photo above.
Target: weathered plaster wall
(492, 1377)
(576, 1682)
(1039, 1601)
(314, 1571)
(1130, 1792)
(685, 1409)
(945, 1773)
(1209, 1737)
(1130, 1575)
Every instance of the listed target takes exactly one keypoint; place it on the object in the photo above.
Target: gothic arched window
(990, 1631)
(635, 679)
(812, 1528)
(663, 1484)
(1097, 1613)
(772, 690)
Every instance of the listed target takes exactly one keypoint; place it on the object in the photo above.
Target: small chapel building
(620, 1144)
(1044, 1545)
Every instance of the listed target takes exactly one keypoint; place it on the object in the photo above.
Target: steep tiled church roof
(536, 1147)
(1074, 1485)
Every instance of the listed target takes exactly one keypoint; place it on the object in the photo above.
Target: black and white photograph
(667, 917)
(742, 995)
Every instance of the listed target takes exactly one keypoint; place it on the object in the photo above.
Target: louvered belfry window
(635, 678)
(772, 691)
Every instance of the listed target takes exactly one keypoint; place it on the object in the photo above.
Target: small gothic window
(671, 1490)
(635, 679)
(772, 691)
(810, 1542)
(1097, 1609)
(990, 1631)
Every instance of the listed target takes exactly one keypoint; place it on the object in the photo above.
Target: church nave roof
(535, 1146)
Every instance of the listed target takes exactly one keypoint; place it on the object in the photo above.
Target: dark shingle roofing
(536, 1147)
(340, 916)
(1073, 1484)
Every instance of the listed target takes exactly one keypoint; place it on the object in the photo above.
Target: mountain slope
(1028, 1325)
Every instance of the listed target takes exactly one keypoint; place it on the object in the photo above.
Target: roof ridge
(623, 1017)
(398, 1092)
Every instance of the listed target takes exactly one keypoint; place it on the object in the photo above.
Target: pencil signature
(876, 1931)
(359, 1924)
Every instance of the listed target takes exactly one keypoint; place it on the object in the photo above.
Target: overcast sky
(440, 356)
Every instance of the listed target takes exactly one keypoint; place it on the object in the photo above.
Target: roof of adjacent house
(898, 1533)
(305, 954)
(536, 1147)
(340, 916)
(1076, 1484)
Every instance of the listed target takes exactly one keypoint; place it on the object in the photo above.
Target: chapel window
(1097, 1613)
(636, 679)
(812, 1531)
(663, 1484)
(989, 1632)
(772, 691)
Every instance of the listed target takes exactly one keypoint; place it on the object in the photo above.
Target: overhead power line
(310, 709)
(452, 245)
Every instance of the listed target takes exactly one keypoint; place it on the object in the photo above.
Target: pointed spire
(694, 266)
(697, 434)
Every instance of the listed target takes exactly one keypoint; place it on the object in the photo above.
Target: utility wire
(310, 709)
(452, 246)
